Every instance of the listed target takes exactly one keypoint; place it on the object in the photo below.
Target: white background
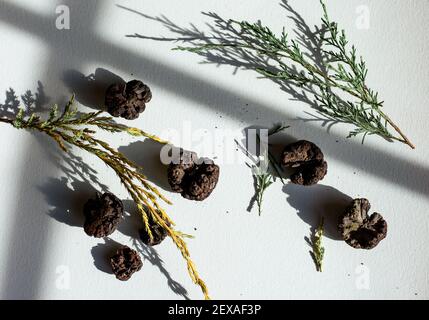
(239, 254)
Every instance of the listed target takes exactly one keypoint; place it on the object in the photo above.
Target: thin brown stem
(397, 129)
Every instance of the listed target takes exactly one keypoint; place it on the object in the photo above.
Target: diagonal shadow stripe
(30, 228)
(24, 271)
(400, 171)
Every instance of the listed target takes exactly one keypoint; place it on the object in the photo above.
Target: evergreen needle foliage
(318, 250)
(338, 83)
(72, 128)
(262, 174)
(263, 179)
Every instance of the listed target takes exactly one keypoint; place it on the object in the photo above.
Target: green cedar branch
(341, 73)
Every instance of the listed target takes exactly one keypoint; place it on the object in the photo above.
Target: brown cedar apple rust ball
(102, 215)
(127, 100)
(308, 160)
(195, 178)
(360, 230)
(125, 262)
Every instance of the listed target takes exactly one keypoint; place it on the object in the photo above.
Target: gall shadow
(146, 154)
(102, 252)
(314, 202)
(90, 89)
(150, 254)
(132, 222)
(67, 202)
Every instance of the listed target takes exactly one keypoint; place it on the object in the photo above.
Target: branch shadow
(24, 270)
(150, 254)
(130, 227)
(29, 101)
(223, 31)
(68, 194)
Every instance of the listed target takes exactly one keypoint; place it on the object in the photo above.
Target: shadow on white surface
(29, 101)
(90, 90)
(130, 227)
(313, 202)
(24, 265)
(399, 171)
(102, 252)
(379, 163)
(67, 202)
(146, 154)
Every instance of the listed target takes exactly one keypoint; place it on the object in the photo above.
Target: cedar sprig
(263, 179)
(263, 169)
(72, 128)
(338, 83)
(318, 250)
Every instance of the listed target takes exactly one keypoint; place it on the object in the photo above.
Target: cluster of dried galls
(193, 177)
(102, 216)
(357, 228)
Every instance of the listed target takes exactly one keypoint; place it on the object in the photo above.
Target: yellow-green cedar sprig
(261, 171)
(318, 249)
(73, 128)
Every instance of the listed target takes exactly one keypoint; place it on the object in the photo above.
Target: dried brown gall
(102, 215)
(308, 160)
(125, 262)
(158, 234)
(194, 178)
(360, 230)
(127, 100)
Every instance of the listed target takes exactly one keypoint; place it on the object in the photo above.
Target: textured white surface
(239, 254)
